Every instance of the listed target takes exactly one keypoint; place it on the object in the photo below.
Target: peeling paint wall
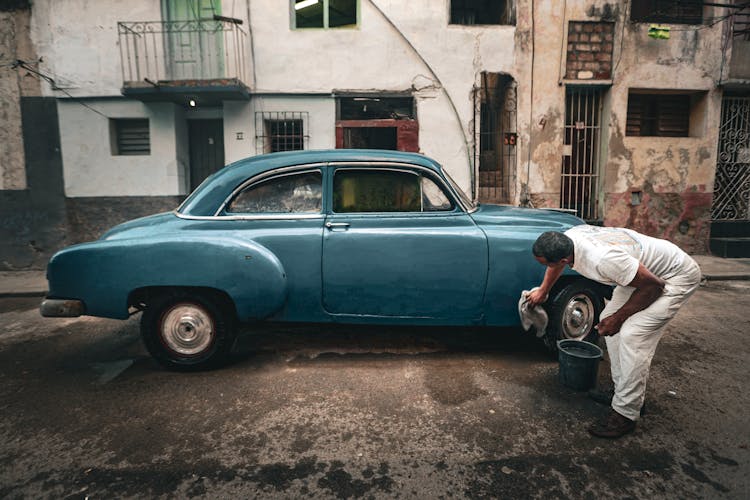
(674, 175)
(14, 83)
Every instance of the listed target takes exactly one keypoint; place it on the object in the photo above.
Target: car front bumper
(61, 308)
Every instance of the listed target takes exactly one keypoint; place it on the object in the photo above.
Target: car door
(397, 245)
(283, 211)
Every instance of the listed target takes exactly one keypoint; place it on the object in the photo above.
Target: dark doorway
(495, 137)
(206, 149)
(370, 138)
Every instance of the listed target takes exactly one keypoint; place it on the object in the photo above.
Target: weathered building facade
(611, 109)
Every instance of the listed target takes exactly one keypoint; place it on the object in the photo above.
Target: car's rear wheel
(573, 311)
(188, 332)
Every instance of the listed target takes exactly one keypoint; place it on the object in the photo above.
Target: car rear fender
(104, 273)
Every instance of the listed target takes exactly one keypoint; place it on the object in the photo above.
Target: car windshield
(465, 200)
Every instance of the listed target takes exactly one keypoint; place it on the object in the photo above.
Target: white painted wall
(90, 169)
(78, 40)
(240, 118)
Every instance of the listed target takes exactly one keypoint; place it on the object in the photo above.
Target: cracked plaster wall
(14, 83)
(674, 175)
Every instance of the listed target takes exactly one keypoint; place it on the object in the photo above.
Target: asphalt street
(355, 412)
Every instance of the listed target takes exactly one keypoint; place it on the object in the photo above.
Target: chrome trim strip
(291, 216)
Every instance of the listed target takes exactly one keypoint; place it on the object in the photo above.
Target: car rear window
(288, 193)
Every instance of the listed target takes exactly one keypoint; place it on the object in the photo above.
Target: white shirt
(610, 255)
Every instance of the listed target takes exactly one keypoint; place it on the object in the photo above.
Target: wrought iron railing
(164, 51)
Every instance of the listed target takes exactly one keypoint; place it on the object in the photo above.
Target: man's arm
(550, 278)
(648, 288)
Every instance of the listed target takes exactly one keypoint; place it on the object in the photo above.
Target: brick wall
(589, 50)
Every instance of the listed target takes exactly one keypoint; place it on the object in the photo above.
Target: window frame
(646, 12)
(512, 21)
(652, 100)
(413, 170)
(326, 20)
(116, 131)
(223, 214)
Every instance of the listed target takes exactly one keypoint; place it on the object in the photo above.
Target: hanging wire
(19, 63)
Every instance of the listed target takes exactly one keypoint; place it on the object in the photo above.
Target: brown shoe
(612, 426)
(604, 397)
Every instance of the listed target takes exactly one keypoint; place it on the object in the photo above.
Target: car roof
(207, 198)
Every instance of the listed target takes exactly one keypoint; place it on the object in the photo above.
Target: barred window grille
(658, 115)
(667, 11)
(129, 137)
(280, 131)
(579, 187)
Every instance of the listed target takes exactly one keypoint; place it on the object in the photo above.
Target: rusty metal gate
(732, 185)
(579, 187)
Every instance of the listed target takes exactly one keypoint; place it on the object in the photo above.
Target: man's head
(553, 248)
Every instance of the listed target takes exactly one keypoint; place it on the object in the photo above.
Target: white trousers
(632, 349)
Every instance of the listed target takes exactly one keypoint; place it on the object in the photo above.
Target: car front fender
(103, 273)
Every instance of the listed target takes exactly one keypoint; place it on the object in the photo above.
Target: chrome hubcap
(187, 329)
(578, 317)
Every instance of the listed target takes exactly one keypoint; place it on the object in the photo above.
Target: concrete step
(730, 247)
(730, 229)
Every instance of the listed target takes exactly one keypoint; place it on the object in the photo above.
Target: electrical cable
(442, 87)
(525, 198)
(23, 64)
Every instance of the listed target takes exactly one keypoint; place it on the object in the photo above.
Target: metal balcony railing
(158, 52)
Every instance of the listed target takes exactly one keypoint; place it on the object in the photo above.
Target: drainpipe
(252, 45)
(445, 91)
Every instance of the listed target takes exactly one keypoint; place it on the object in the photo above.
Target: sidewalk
(34, 283)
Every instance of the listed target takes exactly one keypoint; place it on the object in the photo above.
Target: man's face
(552, 265)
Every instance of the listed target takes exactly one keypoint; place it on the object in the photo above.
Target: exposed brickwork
(589, 50)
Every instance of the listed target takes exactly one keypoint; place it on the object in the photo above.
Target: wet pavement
(362, 412)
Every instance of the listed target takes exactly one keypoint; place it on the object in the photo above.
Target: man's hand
(536, 297)
(648, 288)
(609, 326)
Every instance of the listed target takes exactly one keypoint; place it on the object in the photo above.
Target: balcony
(739, 65)
(181, 61)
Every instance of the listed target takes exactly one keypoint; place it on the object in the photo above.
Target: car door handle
(333, 226)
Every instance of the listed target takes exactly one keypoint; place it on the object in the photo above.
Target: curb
(726, 277)
(11, 295)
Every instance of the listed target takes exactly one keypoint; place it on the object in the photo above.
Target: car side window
(289, 193)
(386, 191)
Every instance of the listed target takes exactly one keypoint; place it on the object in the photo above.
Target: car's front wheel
(188, 332)
(573, 311)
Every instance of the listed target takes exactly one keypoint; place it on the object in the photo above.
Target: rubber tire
(555, 306)
(218, 352)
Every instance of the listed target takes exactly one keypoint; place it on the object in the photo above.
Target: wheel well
(563, 281)
(141, 297)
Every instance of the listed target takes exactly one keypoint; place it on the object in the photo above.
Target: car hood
(502, 215)
(145, 226)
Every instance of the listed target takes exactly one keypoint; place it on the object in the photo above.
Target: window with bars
(280, 131)
(658, 115)
(667, 11)
(473, 12)
(129, 137)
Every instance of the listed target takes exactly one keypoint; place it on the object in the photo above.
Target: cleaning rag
(532, 316)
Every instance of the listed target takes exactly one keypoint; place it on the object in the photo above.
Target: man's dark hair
(553, 246)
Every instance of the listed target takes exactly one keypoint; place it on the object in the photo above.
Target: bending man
(653, 278)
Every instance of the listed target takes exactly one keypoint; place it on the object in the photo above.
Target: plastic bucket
(579, 363)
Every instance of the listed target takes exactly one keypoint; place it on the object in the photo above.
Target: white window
(324, 13)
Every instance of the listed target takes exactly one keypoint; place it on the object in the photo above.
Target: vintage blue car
(347, 236)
